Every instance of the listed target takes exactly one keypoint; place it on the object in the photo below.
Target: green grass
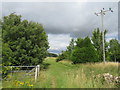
(66, 75)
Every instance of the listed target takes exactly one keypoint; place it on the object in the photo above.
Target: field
(65, 75)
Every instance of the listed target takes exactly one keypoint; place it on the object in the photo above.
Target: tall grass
(63, 74)
(84, 77)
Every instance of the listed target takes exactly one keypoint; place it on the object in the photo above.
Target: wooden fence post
(38, 68)
(36, 73)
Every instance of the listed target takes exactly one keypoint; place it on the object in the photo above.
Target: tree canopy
(68, 53)
(84, 51)
(114, 50)
(25, 42)
(97, 42)
(91, 50)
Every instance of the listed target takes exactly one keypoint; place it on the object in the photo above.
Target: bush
(62, 56)
(84, 51)
(52, 55)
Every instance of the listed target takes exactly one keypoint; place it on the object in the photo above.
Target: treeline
(87, 49)
(52, 55)
(23, 42)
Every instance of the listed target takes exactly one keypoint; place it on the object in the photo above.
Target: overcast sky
(65, 20)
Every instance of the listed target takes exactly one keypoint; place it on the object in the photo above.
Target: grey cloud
(119, 21)
(64, 18)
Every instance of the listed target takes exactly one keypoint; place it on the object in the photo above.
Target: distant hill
(52, 55)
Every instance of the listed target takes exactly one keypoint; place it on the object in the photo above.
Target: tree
(6, 59)
(0, 49)
(68, 53)
(98, 44)
(62, 56)
(27, 41)
(52, 55)
(84, 51)
(70, 49)
(114, 50)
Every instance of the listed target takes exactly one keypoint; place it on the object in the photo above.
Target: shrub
(84, 51)
(62, 56)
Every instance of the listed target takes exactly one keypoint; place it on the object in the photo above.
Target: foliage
(26, 41)
(52, 55)
(0, 46)
(114, 50)
(62, 56)
(97, 42)
(68, 53)
(84, 51)
(70, 49)
(6, 53)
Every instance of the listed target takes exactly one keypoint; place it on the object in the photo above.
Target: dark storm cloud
(78, 19)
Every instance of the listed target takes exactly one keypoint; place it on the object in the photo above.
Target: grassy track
(55, 75)
(65, 75)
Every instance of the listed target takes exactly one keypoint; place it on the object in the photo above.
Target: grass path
(54, 76)
(65, 75)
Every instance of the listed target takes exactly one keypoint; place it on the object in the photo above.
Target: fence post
(11, 70)
(36, 73)
(38, 66)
